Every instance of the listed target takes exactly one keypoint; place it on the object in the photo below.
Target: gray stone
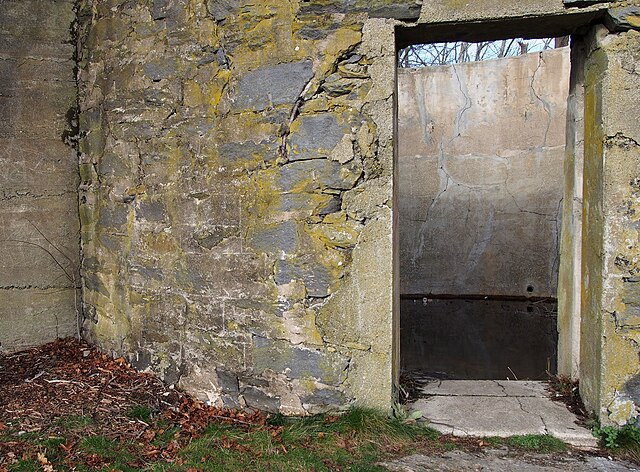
(151, 211)
(506, 461)
(114, 216)
(319, 204)
(234, 154)
(315, 276)
(92, 282)
(336, 85)
(275, 238)
(319, 174)
(228, 381)
(221, 9)
(398, 9)
(210, 237)
(258, 400)
(159, 9)
(272, 85)
(321, 400)
(582, 3)
(316, 137)
(161, 69)
(297, 362)
(622, 19)
(312, 31)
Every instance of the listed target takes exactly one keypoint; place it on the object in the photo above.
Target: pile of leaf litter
(55, 398)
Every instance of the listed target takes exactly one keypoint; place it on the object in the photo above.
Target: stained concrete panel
(39, 224)
(481, 148)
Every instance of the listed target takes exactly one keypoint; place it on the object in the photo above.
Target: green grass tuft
(74, 422)
(537, 443)
(140, 412)
(105, 448)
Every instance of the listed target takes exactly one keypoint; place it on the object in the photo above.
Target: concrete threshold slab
(499, 408)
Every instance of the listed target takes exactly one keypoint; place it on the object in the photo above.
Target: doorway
(481, 136)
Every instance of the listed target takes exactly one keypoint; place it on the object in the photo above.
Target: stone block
(221, 9)
(318, 174)
(272, 85)
(316, 277)
(398, 9)
(161, 69)
(275, 238)
(298, 362)
(581, 3)
(622, 19)
(315, 136)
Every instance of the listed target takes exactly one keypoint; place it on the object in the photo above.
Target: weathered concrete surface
(39, 230)
(610, 366)
(498, 408)
(447, 11)
(570, 270)
(480, 152)
(500, 460)
(236, 186)
(479, 339)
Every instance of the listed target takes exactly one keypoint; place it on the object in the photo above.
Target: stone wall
(610, 367)
(236, 187)
(480, 153)
(39, 230)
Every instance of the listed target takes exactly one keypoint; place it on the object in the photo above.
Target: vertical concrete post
(609, 366)
(569, 277)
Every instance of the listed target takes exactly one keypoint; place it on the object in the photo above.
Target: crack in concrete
(453, 428)
(425, 225)
(545, 104)
(504, 390)
(467, 104)
(524, 410)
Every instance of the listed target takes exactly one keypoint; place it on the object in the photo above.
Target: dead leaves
(44, 462)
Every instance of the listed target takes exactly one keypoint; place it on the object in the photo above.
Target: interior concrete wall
(480, 150)
(39, 230)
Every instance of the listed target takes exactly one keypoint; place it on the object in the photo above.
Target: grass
(358, 440)
(74, 422)
(537, 442)
(355, 441)
(140, 412)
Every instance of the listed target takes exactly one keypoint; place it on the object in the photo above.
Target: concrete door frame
(570, 269)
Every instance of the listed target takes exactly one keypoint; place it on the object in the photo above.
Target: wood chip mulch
(41, 387)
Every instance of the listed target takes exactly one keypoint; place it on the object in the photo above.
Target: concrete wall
(39, 227)
(480, 151)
